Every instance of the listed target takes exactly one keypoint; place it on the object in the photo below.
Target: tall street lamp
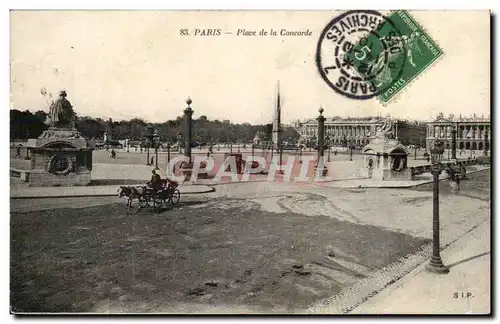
(149, 136)
(470, 146)
(485, 143)
(320, 163)
(179, 141)
(321, 134)
(328, 146)
(188, 117)
(454, 143)
(436, 264)
(156, 141)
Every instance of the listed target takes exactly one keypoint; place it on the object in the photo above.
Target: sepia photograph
(239, 162)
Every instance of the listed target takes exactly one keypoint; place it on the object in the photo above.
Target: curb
(102, 195)
(408, 266)
(350, 298)
(391, 187)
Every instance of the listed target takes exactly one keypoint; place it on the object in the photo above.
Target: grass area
(77, 260)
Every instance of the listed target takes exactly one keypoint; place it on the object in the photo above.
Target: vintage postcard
(250, 162)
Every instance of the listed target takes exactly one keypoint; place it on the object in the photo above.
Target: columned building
(470, 132)
(359, 131)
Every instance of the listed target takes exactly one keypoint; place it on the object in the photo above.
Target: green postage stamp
(363, 54)
(405, 62)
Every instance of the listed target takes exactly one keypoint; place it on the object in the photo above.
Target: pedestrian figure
(113, 154)
(428, 159)
(152, 160)
(18, 151)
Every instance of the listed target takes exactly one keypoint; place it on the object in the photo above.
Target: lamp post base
(436, 266)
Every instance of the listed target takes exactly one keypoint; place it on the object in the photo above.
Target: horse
(132, 192)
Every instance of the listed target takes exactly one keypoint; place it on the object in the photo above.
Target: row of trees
(24, 125)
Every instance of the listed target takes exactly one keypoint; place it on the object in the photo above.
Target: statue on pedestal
(386, 131)
(61, 114)
(60, 156)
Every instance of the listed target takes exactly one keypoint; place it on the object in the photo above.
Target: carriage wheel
(157, 204)
(143, 202)
(463, 172)
(175, 197)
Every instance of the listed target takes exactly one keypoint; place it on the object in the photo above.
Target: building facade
(470, 132)
(359, 131)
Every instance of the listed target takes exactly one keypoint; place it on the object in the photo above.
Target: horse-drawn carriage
(150, 197)
(456, 171)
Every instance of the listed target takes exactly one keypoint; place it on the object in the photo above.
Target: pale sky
(125, 64)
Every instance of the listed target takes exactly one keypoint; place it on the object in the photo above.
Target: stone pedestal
(60, 157)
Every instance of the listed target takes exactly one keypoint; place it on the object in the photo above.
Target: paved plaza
(245, 248)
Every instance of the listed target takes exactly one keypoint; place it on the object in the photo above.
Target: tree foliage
(24, 125)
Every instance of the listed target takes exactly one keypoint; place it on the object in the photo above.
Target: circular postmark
(360, 54)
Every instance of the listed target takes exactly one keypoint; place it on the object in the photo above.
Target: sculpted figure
(387, 130)
(61, 112)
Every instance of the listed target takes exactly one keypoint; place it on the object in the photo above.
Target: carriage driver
(156, 182)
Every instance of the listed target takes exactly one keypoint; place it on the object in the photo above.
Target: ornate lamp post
(280, 148)
(351, 147)
(470, 147)
(314, 140)
(149, 136)
(321, 141)
(328, 146)
(436, 264)
(454, 143)
(188, 117)
(168, 152)
(485, 143)
(179, 141)
(156, 142)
